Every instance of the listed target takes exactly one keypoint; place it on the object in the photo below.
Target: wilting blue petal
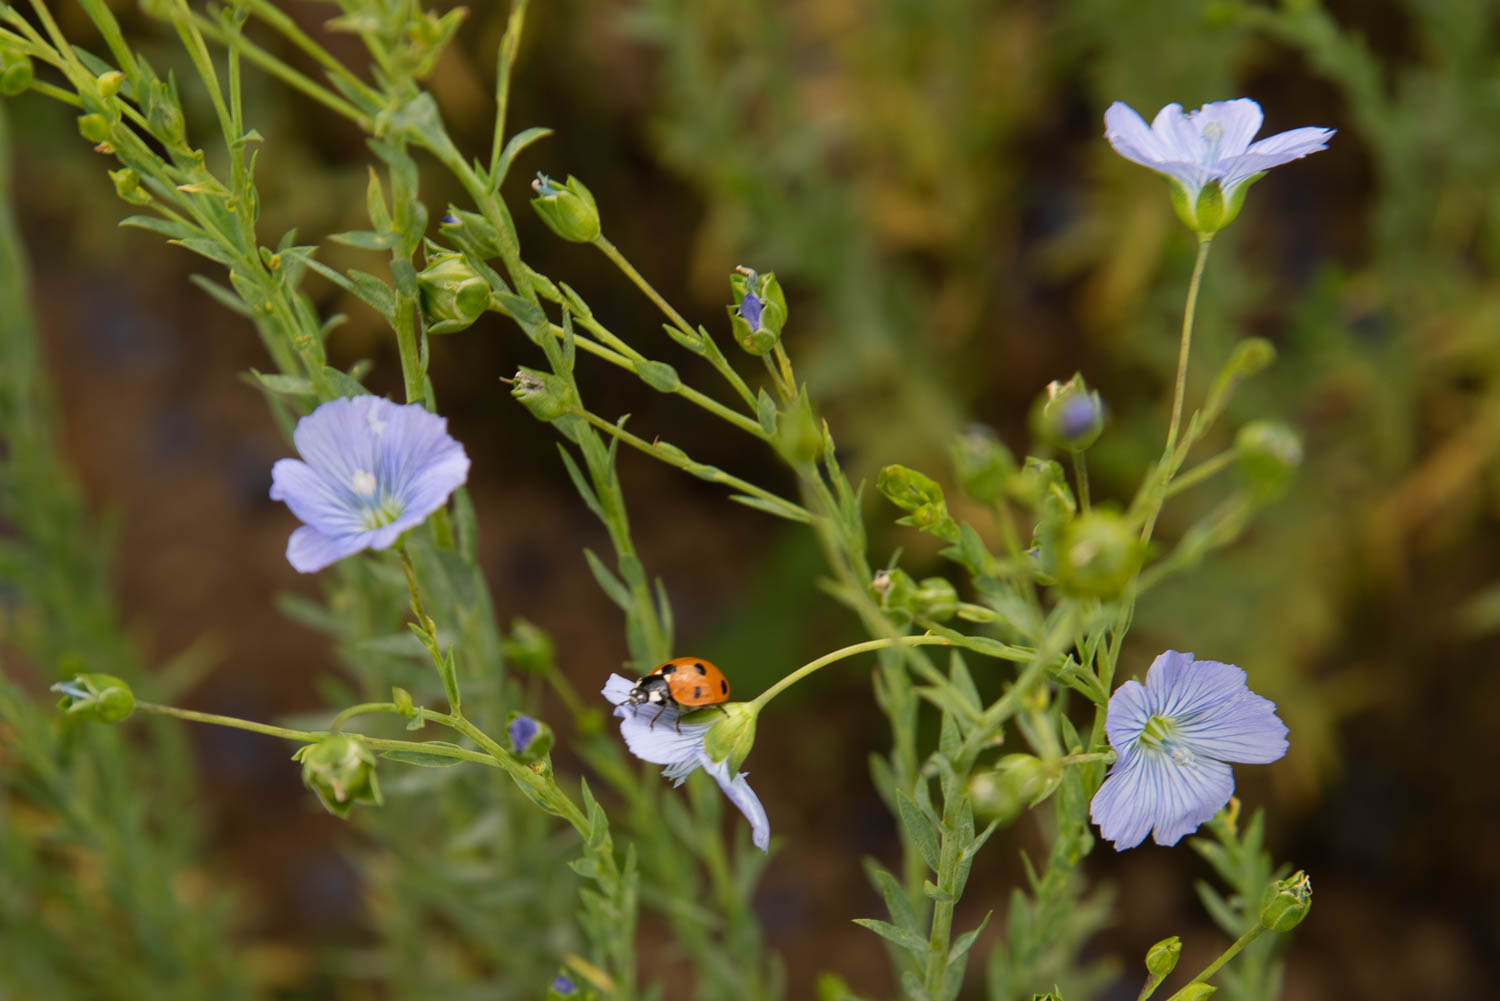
(370, 471)
(523, 731)
(659, 741)
(751, 309)
(1210, 144)
(562, 985)
(1173, 737)
(742, 796)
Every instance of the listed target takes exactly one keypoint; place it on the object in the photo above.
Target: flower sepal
(1068, 415)
(1286, 902)
(341, 770)
(547, 395)
(101, 697)
(1210, 211)
(730, 739)
(453, 294)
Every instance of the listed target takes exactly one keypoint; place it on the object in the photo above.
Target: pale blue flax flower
(1173, 738)
(1207, 150)
(679, 746)
(370, 470)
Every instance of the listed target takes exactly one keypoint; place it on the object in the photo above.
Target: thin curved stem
(759, 702)
(1185, 343)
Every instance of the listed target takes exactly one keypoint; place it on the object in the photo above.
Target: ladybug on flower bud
(685, 682)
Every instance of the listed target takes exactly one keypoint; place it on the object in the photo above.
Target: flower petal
(1244, 728)
(313, 499)
(1151, 791)
(309, 550)
(1129, 709)
(654, 733)
(1186, 795)
(1238, 121)
(1128, 133)
(1183, 687)
(1179, 138)
(339, 438)
(419, 463)
(742, 796)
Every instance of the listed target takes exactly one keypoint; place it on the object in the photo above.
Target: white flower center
(1213, 134)
(363, 483)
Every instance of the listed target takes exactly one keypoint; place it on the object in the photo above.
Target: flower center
(363, 483)
(1213, 134)
(1160, 734)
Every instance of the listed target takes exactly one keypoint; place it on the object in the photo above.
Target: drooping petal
(309, 550)
(1292, 144)
(741, 795)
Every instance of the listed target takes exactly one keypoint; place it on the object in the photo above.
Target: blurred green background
(930, 183)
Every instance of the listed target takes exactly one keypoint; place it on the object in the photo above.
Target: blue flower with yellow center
(370, 471)
(1174, 737)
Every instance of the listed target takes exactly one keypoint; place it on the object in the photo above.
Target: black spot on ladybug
(701, 669)
(670, 668)
(697, 692)
(724, 687)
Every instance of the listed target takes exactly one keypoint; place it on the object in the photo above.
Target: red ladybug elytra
(688, 682)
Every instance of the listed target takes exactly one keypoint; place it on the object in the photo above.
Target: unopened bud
(1098, 554)
(1161, 958)
(983, 464)
(932, 598)
(1268, 454)
(109, 83)
(16, 72)
(529, 648)
(93, 127)
(1068, 415)
(569, 211)
(1017, 781)
(128, 186)
(453, 294)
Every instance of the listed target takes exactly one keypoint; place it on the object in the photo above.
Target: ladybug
(686, 682)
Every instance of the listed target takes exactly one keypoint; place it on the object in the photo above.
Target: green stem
(794, 512)
(759, 702)
(1082, 758)
(416, 596)
(1081, 473)
(1234, 950)
(360, 710)
(1203, 471)
(505, 59)
(1186, 342)
(635, 276)
(312, 736)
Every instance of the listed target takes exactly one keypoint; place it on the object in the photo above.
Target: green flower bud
(1068, 415)
(1286, 902)
(93, 127)
(1210, 212)
(568, 211)
(1267, 454)
(798, 439)
(983, 464)
(1161, 958)
(128, 186)
(934, 598)
(759, 310)
(401, 699)
(545, 394)
(1017, 782)
(101, 697)
(1098, 554)
(732, 737)
(164, 116)
(912, 491)
(109, 83)
(341, 770)
(16, 73)
(529, 648)
(453, 294)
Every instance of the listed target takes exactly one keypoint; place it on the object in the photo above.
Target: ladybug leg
(657, 717)
(723, 710)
